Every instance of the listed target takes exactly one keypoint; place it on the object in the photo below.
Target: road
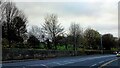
(91, 61)
(112, 64)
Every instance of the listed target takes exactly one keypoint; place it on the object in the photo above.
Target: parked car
(118, 54)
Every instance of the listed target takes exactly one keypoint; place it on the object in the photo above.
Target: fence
(18, 54)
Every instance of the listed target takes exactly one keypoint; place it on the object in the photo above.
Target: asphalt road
(113, 63)
(91, 61)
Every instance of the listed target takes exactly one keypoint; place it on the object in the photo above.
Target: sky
(97, 14)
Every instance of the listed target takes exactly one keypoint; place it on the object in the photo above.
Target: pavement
(90, 61)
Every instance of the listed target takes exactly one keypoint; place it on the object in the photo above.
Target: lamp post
(101, 45)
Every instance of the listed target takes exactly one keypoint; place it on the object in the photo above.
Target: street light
(101, 45)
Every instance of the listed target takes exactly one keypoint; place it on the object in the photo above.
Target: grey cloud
(102, 12)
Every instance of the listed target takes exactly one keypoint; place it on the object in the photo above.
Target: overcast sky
(97, 14)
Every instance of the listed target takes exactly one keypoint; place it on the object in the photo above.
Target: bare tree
(52, 27)
(37, 32)
(13, 22)
(1, 11)
(76, 34)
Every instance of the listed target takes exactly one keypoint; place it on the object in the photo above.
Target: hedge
(20, 54)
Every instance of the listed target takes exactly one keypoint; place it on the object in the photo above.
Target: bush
(5, 43)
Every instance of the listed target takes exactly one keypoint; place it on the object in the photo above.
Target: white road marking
(83, 60)
(78, 60)
(93, 65)
(64, 62)
(70, 62)
(59, 63)
(101, 62)
(108, 63)
(44, 65)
